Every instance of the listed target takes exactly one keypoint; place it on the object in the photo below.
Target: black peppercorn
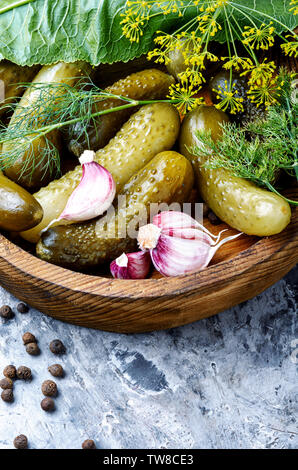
(7, 395)
(49, 388)
(21, 442)
(32, 349)
(6, 383)
(47, 404)
(10, 372)
(56, 370)
(22, 308)
(28, 338)
(6, 312)
(24, 373)
(213, 218)
(88, 444)
(57, 347)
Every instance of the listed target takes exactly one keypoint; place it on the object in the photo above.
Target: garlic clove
(94, 194)
(131, 265)
(177, 256)
(188, 233)
(175, 219)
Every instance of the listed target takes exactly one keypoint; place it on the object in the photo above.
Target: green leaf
(47, 31)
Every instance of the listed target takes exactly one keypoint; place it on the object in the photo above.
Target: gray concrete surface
(226, 382)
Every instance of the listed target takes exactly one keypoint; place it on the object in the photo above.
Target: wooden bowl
(240, 270)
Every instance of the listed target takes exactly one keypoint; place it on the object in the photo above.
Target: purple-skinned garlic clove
(94, 194)
(131, 265)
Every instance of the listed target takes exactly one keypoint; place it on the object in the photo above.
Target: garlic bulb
(179, 244)
(131, 265)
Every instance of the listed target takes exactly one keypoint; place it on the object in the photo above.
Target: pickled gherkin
(148, 84)
(150, 130)
(30, 169)
(18, 209)
(11, 75)
(167, 178)
(238, 202)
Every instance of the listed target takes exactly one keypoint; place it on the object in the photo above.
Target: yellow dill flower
(295, 7)
(192, 76)
(229, 101)
(171, 6)
(237, 63)
(260, 73)
(183, 96)
(266, 93)
(290, 48)
(207, 22)
(132, 27)
(159, 56)
(259, 38)
(167, 41)
(139, 8)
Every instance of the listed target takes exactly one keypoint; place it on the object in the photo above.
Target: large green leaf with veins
(47, 31)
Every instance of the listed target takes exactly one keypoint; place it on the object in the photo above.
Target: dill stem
(271, 188)
(49, 128)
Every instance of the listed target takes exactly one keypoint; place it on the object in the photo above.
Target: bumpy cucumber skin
(57, 73)
(148, 84)
(238, 202)
(18, 209)
(11, 74)
(167, 178)
(152, 129)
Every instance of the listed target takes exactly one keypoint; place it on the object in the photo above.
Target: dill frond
(262, 148)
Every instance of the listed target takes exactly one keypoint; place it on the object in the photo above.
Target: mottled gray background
(226, 382)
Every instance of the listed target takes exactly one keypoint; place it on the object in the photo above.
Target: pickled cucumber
(177, 65)
(148, 84)
(10, 76)
(236, 201)
(150, 130)
(18, 209)
(167, 178)
(23, 171)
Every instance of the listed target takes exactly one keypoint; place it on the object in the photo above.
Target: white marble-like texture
(226, 382)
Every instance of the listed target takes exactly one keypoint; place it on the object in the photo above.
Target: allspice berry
(10, 372)
(24, 373)
(6, 312)
(6, 383)
(28, 338)
(22, 308)
(21, 442)
(88, 444)
(7, 395)
(47, 404)
(56, 370)
(32, 349)
(57, 347)
(49, 388)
